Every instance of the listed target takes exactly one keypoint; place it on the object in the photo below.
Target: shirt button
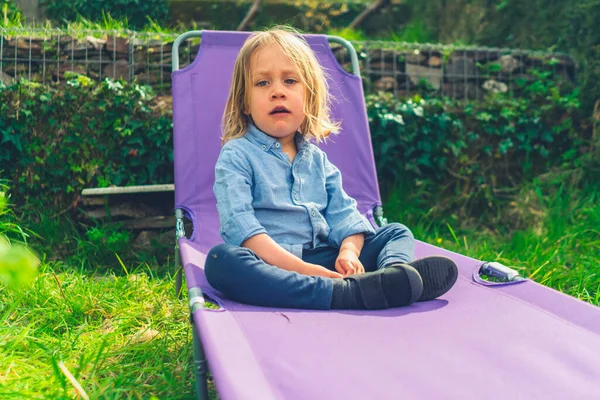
(313, 213)
(264, 147)
(277, 145)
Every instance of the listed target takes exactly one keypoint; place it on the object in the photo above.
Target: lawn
(124, 334)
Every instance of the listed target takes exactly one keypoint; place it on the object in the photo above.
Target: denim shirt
(299, 204)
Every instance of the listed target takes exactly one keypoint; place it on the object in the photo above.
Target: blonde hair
(317, 123)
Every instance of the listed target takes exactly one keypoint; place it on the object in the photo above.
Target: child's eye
(290, 81)
(261, 83)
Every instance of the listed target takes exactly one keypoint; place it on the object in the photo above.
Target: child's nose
(278, 95)
(278, 92)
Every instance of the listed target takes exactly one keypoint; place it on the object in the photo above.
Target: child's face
(276, 101)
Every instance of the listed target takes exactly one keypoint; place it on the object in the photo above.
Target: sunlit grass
(120, 336)
(119, 329)
(125, 335)
(560, 248)
(82, 27)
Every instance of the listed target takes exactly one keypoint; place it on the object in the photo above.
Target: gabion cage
(404, 69)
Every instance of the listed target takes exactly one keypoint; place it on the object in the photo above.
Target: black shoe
(438, 273)
(389, 287)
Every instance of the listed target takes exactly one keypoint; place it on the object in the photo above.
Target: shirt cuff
(345, 229)
(241, 227)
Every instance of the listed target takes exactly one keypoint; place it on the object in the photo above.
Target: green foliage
(106, 23)
(314, 16)
(99, 246)
(414, 32)
(348, 34)
(18, 264)
(8, 7)
(570, 26)
(136, 12)
(547, 230)
(581, 36)
(476, 149)
(525, 23)
(556, 25)
(101, 243)
(10, 14)
(59, 139)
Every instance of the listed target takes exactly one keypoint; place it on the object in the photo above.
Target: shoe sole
(439, 274)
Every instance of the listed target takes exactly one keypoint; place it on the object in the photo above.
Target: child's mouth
(279, 110)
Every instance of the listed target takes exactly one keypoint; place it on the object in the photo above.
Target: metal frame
(191, 34)
(195, 294)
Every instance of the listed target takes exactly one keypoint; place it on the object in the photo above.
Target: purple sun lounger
(513, 340)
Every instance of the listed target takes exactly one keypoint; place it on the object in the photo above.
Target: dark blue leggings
(241, 275)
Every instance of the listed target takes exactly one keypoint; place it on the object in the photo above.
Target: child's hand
(317, 270)
(347, 263)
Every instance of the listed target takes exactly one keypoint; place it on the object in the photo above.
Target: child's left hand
(347, 263)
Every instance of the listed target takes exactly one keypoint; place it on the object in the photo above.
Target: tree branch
(245, 24)
(373, 8)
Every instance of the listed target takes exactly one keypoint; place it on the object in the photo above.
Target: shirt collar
(264, 141)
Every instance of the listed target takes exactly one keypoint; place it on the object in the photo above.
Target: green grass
(120, 336)
(557, 242)
(122, 333)
(16, 25)
(92, 247)
(118, 329)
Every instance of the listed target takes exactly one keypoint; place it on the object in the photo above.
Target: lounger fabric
(476, 342)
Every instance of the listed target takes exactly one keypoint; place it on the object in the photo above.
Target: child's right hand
(317, 270)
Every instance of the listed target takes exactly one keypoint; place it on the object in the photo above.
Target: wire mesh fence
(44, 55)
(457, 72)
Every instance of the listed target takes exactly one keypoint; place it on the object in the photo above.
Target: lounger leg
(179, 233)
(199, 367)
(178, 273)
(379, 218)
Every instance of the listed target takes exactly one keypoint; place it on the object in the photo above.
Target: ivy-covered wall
(557, 25)
(567, 26)
(58, 139)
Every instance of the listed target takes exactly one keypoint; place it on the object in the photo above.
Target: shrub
(59, 139)
(567, 26)
(9, 13)
(136, 12)
(475, 150)
(582, 37)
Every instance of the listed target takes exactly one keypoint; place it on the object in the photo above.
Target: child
(293, 237)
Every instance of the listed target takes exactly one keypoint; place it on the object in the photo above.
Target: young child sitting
(293, 237)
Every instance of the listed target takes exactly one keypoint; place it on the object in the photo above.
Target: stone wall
(460, 73)
(403, 69)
